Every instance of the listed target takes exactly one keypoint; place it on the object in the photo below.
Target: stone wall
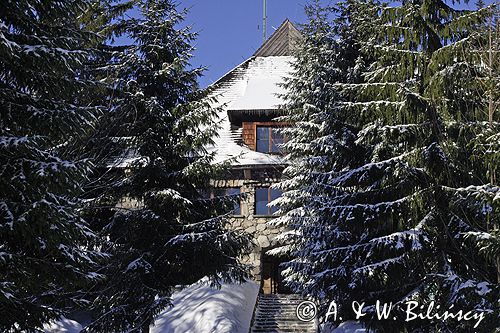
(256, 225)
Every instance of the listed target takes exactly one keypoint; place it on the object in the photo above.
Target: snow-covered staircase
(277, 314)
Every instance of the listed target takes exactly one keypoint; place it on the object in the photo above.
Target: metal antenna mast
(264, 21)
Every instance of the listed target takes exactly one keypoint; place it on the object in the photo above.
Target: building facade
(249, 139)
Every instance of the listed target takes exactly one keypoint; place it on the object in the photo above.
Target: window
(232, 192)
(268, 139)
(235, 193)
(263, 196)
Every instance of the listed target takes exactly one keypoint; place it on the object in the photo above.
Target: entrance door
(272, 281)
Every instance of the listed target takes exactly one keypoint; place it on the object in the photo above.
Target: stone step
(278, 306)
(275, 299)
(277, 314)
(267, 330)
(279, 302)
(275, 307)
(281, 297)
(283, 329)
(285, 321)
(281, 324)
(270, 306)
(266, 303)
(281, 318)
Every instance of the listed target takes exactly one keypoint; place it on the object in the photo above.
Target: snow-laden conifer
(164, 232)
(382, 205)
(45, 261)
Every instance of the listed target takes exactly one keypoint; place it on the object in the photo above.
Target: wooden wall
(248, 133)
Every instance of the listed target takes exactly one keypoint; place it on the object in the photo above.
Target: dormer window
(264, 137)
(268, 139)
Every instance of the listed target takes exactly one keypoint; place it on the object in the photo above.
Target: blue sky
(231, 30)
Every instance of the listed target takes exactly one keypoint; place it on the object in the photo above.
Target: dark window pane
(263, 196)
(206, 194)
(275, 194)
(224, 195)
(261, 201)
(235, 192)
(275, 148)
(263, 139)
(262, 133)
(218, 193)
(263, 146)
(277, 135)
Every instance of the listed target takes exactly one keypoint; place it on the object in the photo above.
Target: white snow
(253, 85)
(130, 157)
(483, 288)
(63, 325)
(201, 309)
(257, 87)
(228, 150)
(197, 309)
(261, 93)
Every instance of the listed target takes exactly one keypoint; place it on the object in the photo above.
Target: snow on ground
(63, 326)
(346, 327)
(197, 309)
(201, 309)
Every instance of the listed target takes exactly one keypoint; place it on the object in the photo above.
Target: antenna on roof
(264, 21)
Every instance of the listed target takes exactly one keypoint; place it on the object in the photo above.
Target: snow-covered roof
(254, 85)
(262, 84)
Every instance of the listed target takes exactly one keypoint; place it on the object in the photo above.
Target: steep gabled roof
(239, 89)
(254, 85)
(282, 42)
(262, 79)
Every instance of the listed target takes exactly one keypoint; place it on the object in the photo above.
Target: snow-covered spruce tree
(171, 236)
(320, 142)
(394, 226)
(44, 258)
(486, 144)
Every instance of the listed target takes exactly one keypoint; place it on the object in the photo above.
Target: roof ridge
(282, 42)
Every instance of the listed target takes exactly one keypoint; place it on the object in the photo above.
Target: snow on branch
(372, 268)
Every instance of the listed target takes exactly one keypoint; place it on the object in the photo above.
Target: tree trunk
(145, 327)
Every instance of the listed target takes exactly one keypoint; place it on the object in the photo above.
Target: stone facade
(263, 234)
